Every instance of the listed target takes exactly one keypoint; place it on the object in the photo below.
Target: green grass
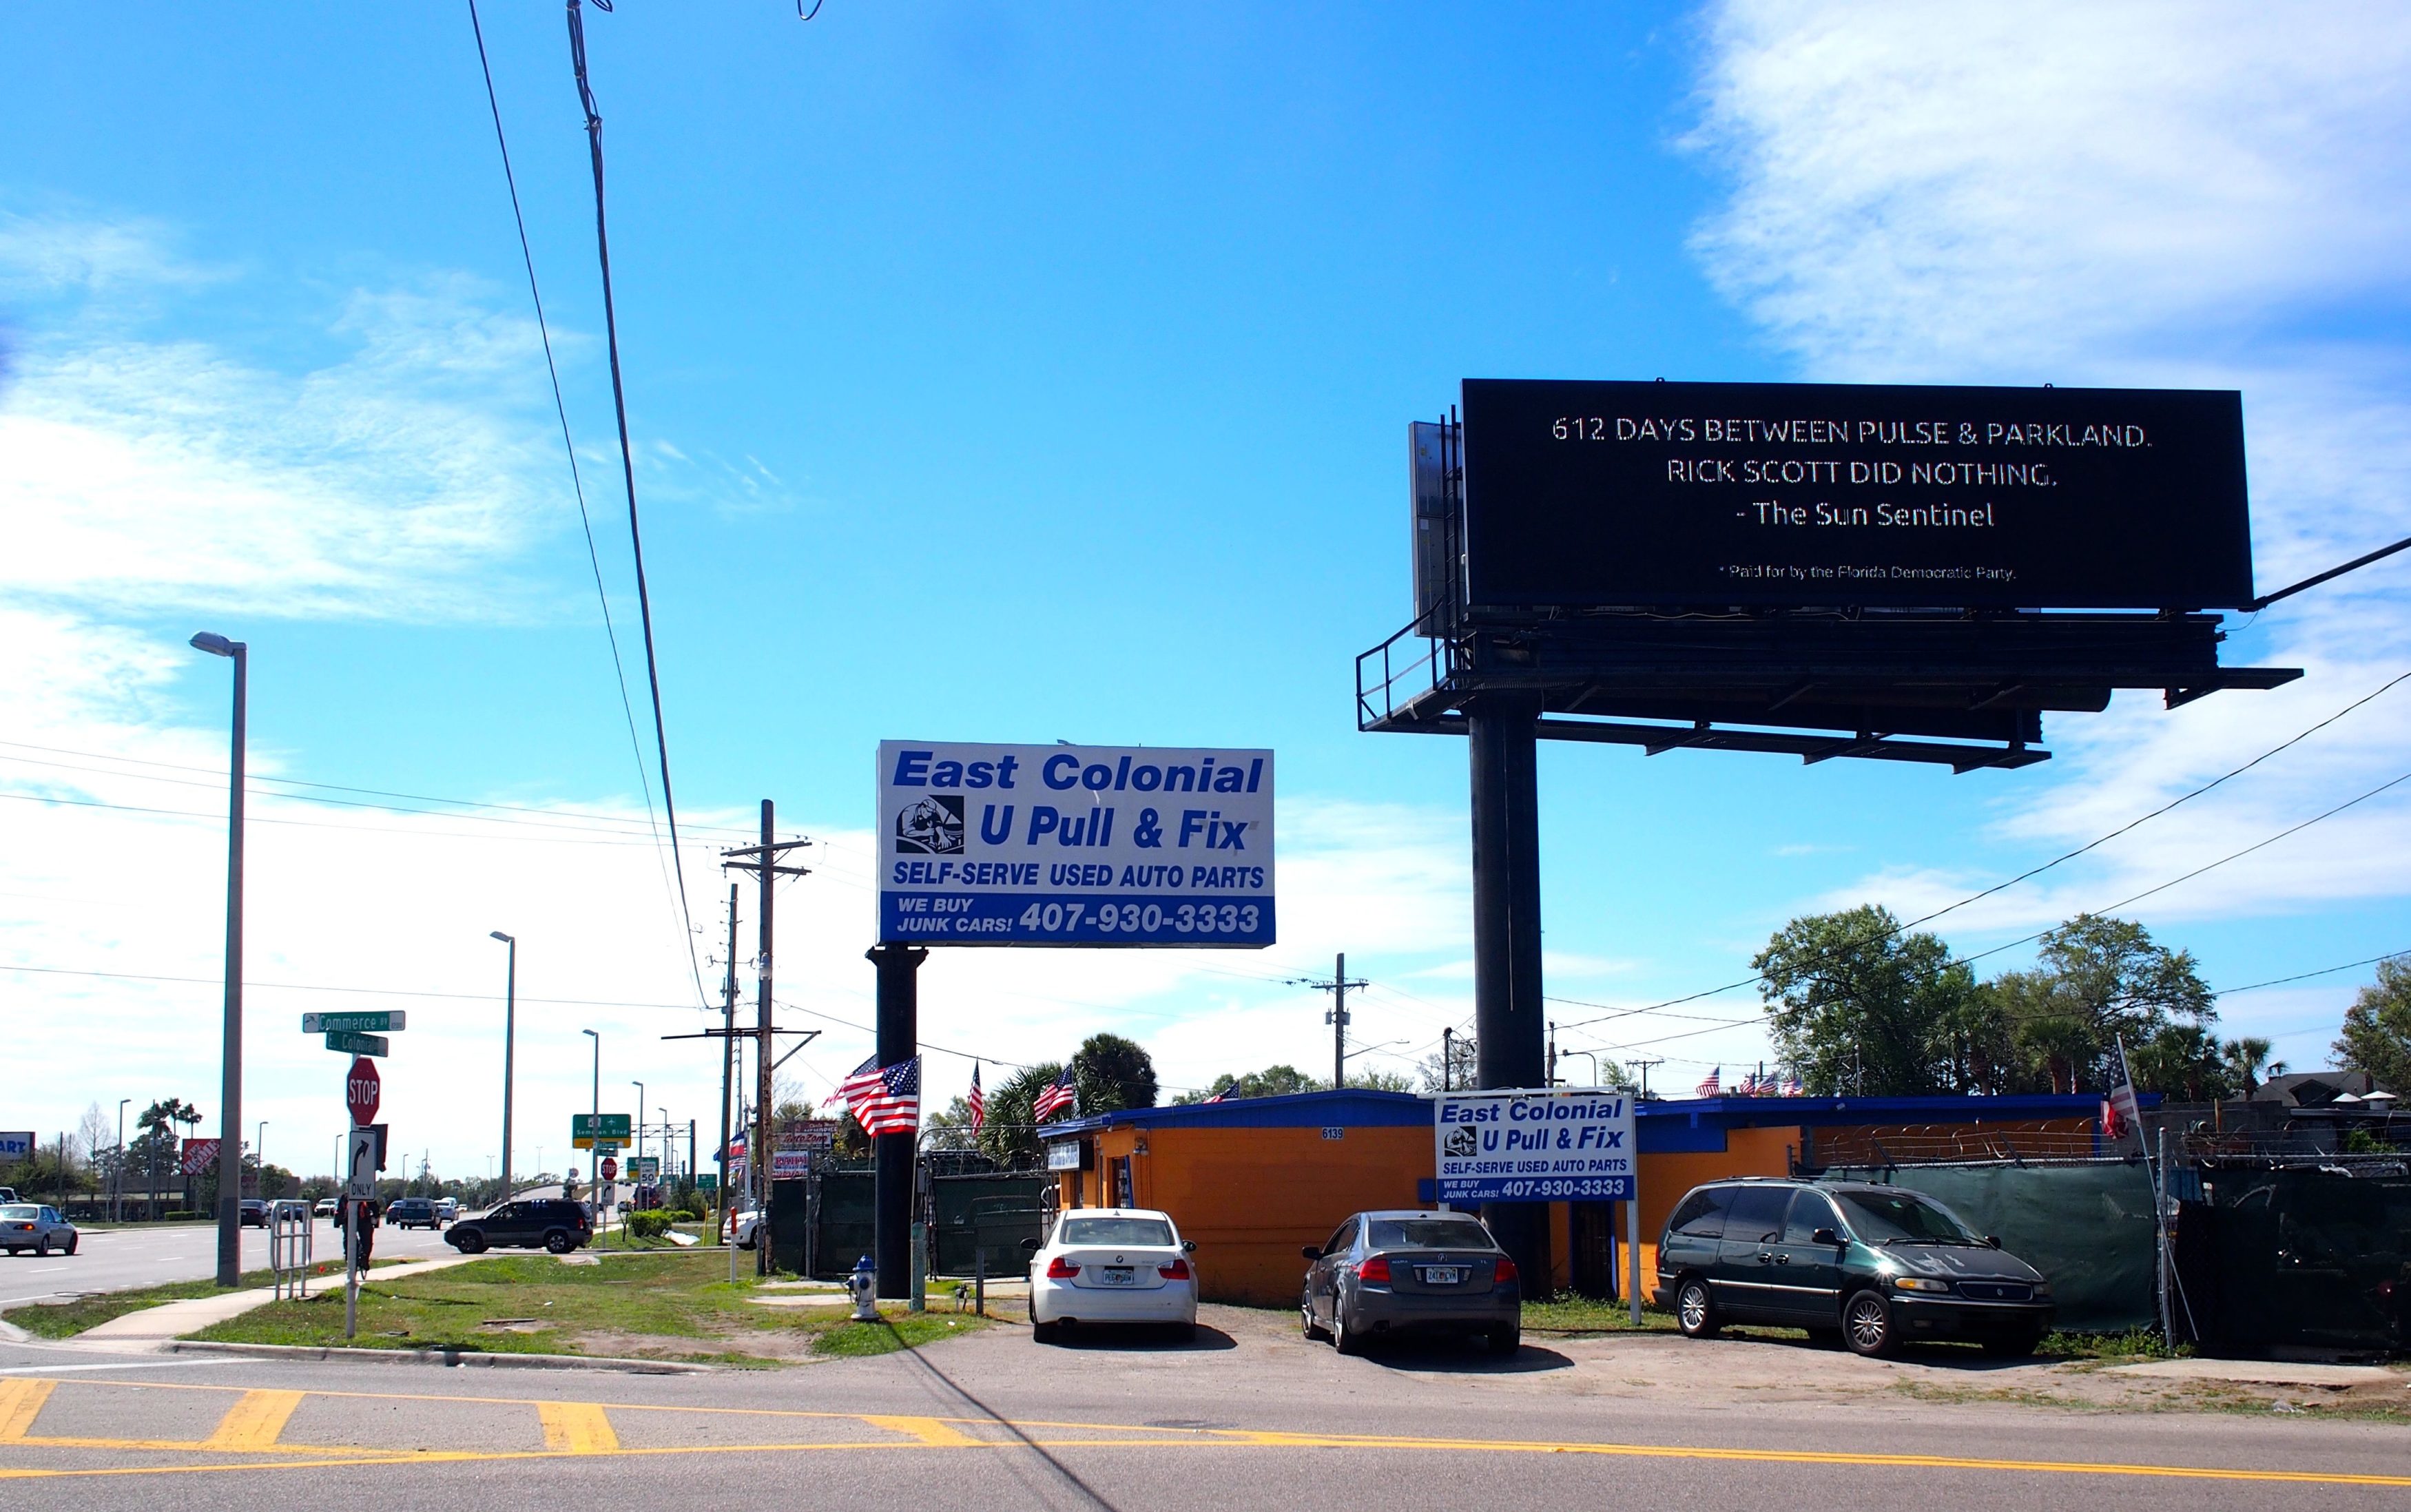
(2135, 1344)
(669, 1304)
(66, 1320)
(1573, 1316)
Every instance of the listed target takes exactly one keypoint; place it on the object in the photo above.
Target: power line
(322, 824)
(2306, 976)
(628, 468)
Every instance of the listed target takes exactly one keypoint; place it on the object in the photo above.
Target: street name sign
(358, 1044)
(1074, 845)
(1533, 1146)
(585, 1128)
(363, 1088)
(370, 1022)
(1581, 495)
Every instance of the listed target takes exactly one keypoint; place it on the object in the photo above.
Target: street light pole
(117, 1174)
(510, 1031)
(594, 1160)
(259, 1151)
(230, 1080)
(640, 1118)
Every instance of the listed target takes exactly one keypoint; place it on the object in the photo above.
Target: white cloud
(2127, 194)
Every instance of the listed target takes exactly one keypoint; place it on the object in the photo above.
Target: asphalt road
(1247, 1416)
(115, 1259)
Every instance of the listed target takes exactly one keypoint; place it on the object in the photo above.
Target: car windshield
(1428, 1233)
(1115, 1232)
(21, 1213)
(1901, 1217)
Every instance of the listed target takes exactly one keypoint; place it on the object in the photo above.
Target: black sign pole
(1507, 936)
(900, 1040)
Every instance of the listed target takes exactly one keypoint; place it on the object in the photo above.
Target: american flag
(1713, 1083)
(1060, 1094)
(2119, 1113)
(977, 1102)
(862, 1082)
(888, 1100)
(1791, 1088)
(1224, 1093)
(1751, 1085)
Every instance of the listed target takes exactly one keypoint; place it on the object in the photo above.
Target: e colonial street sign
(359, 1044)
(1533, 1146)
(1074, 845)
(378, 1023)
(1579, 494)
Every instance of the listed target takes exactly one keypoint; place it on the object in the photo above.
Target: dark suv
(1870, 1267)
(555, 1223)
(413, 1213)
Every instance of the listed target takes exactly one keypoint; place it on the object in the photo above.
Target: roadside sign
(198, 1156)
(16, 1145)
(610, 1168)
(1533, 1146)
(604, 1147)
(362, 1166)
(352, 1043)
(585, 1129)
(1074, 845)
(367, 1022)
(363, 1091)
(645, 1169)
(709, 1180)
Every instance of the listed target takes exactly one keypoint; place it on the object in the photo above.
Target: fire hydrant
(865, 1287)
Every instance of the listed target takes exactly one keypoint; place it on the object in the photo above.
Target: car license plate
(1442, 1275)
(1119, 1276)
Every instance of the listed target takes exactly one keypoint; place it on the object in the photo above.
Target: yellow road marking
(577, 1428)
(937, 1433)
(20, 1403)
(255, 1423)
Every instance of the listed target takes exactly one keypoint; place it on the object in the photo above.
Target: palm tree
(2247, 1059)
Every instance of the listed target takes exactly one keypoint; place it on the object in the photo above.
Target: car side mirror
(1189, 1247)
(1029, 1246)
(1824, 1236)
(1312, 1253)
(1993, 1239)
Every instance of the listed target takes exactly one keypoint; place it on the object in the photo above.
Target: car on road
(529, 1223)
(1386, 1274)
(7, 1194)
(1112, 1265)
(744, 1228)
(1868, 1267)
(447, 1208)
(288, 1207)
(328, 1209)
(25, 1225)
(253, 1214)
(414, 1213)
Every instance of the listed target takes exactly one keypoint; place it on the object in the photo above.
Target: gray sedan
(24, 1227)
(1384, 1274)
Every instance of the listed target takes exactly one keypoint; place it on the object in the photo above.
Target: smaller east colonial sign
(1074, 845)
(1533, 1146)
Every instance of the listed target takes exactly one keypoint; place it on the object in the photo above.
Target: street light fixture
(117, 1174)
(510, 1031)
(259, 1153)
(594, 1128)
(230, 1089)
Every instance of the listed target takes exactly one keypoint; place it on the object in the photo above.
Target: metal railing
(288, 1251)
(1393, 672)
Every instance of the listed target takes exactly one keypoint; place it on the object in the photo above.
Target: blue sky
(1015, 375)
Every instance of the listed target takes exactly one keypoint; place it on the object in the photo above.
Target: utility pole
(728, 1075)
(1338, 1016)
(1447, 1053)
(1553, 1052)
(764, 865)
(1643, 1063)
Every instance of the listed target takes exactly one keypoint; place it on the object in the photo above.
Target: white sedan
(1112, 1265)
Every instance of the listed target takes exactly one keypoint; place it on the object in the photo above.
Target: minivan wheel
(1695, 1309)
(1867, 1325)
(558, 1242)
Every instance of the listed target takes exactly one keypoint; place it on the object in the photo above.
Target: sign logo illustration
(1462, 1143)
(931, 826)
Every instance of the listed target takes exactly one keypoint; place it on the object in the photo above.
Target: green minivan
(1870, 1267)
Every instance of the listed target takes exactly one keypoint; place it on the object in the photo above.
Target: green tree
(1272, 1082)
(1856, 1006)
(2246, 1061)
(1375, 1079)
(2097, 981)
(1464, 1060)
(1114, 1073)
(2376, 1036)
(1009, 1135)
(950, 1128)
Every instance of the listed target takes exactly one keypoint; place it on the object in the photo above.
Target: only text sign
(1532, 1146)
(1074, 845)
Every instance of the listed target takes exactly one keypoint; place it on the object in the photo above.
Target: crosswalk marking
(577, 1426)
(20, 1402)
(254, 1422)
(935, 1431)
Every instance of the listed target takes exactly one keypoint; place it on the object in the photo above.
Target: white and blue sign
(1074, 845)
(1533, 1146)
(16, 1145)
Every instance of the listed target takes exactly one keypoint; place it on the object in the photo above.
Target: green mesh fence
(2086, 1227)
(2298, 1258)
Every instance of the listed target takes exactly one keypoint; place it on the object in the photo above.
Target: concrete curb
(11, 1333)
(441, 1356)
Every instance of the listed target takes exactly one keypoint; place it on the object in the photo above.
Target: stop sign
(361, 1090)
(610, 1168)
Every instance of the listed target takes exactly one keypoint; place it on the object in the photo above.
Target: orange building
(1252, 1180)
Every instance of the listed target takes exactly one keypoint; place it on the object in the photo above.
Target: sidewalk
(153, 1327)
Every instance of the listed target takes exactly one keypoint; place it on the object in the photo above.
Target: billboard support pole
(900, 1040)
(1503, 758)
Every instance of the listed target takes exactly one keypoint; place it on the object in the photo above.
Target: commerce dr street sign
(375, 1022)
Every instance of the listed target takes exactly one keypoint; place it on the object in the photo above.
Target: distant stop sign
(361, 1090)
(610, 1168)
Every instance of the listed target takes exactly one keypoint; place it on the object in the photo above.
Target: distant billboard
(1074, 845)
(1581, 495)
(15, 1145)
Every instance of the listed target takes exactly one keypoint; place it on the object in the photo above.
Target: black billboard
(1587, 494)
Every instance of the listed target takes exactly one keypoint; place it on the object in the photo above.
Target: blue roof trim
(1356, 1107)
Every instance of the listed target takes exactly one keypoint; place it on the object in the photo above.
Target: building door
(1121, 1176)
(1593, 1239)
